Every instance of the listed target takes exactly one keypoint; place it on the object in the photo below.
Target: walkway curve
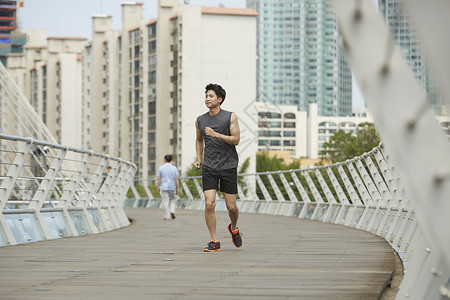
(281, 258)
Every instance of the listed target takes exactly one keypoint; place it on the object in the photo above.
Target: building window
(269, 115)
(289, 116)
(152, 46)
(289, 124)
(152, 108)
(275, 143)
(268, 133)
(289, 143)
(289, 133)
(152, 122)
(151, 77)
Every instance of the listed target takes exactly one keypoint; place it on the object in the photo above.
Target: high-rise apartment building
(56, 88)
(207, 45)
(299, 60)
(11, 39)
(143, 86)
(101, 78)
(135, 93)
(50, 77)
(402, 28)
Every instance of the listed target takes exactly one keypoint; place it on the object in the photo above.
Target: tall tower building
(299, 60)
(402, 28)
(11, 39)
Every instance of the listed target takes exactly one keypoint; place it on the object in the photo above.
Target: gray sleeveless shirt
(217, 154)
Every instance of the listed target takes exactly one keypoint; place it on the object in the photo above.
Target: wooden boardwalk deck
(281, 258)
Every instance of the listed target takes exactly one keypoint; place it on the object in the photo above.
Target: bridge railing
(362, 193)
(49, 191)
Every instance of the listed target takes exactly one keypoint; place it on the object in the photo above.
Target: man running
(217, 136)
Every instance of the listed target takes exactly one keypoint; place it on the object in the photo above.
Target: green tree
(244, 166)
(345, 145)
(265, 163)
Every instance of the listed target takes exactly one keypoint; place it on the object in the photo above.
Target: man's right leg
(210, 181)
(210, 213)
(165, 203)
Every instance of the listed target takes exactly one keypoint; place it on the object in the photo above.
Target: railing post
(375, 197)
(70, 190)
(288, 188)
(274, 185)
(337, 187)
(7, 186)
(120, 192)
(44, 189)
(99, 196)
(110, 193)
(261, 185)
(137, 197)
(88, 193)
(186, 190)
(199, 189)
(303, 194)
(148, 192)
(251, 189)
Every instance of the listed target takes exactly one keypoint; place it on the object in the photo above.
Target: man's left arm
(235, 133)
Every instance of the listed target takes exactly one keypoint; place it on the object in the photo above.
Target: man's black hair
(220, 92)
(168, 158)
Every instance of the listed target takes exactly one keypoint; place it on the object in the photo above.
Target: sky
(73, 18)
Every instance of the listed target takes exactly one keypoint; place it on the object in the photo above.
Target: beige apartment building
(136, 92)
(153, 74)
(50, 78)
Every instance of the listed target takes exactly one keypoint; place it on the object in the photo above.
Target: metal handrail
(58, 189)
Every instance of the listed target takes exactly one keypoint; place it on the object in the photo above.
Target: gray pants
(169, 203)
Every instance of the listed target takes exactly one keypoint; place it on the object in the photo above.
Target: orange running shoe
(236, 236)
(212, 247)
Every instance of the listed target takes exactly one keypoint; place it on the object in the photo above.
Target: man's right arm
(198, 147)
(158, 183)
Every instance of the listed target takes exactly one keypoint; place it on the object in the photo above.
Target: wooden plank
(281, 258)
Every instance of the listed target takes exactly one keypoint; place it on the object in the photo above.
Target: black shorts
(226, 178)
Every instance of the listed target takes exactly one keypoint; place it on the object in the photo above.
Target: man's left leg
(233, 210)
(172, 204)
(229, 186)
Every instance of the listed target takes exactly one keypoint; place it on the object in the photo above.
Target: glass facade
(299, 60)
(403, 31)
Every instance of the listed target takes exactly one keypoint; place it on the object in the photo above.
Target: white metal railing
(406, 124)
(49, 191)
(362, 193)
